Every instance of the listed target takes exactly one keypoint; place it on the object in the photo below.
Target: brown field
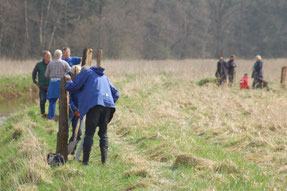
(192, 69)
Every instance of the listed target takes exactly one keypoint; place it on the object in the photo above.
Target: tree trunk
(54, 30)
(26, 20)
(44, 34)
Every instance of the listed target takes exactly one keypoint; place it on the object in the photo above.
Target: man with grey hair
(55, 71)
(43, 82)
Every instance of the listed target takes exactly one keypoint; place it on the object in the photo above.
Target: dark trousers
(230, 78)
(257, 83)
(98, 116)
(42, 96)
(222, 79)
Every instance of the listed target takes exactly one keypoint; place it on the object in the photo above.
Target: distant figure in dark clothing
(221, 71)
(231, 69)
(43, 82)
(257, 73)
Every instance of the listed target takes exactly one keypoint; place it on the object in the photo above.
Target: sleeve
(34, 73)
(76, 60)
(67, 67)
(115, 93)
(47, 73)
(72, 104)
(76, 85)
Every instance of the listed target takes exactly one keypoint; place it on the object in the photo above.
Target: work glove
(77, 114)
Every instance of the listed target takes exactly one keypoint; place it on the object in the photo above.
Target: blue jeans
(52, 108)
(42, 96)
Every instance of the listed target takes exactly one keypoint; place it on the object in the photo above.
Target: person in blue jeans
(74, 114)
(71, 60)
(42, 82)
(56, 70)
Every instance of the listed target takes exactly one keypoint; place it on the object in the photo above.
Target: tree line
(150, 29)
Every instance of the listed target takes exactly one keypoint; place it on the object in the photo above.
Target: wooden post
(99, 58)
(87, 57)
(283, 76)
(63, 133)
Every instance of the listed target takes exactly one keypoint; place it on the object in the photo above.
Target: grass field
(169, 133)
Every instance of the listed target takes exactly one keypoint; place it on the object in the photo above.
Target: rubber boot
(86, 157)
(104, 154)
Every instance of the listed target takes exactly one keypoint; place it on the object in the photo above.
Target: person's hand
(37, 84)
(77, 114)
(68, 78)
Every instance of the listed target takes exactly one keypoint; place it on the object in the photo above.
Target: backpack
(55, 159)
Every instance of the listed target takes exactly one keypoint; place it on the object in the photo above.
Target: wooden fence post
(87, 57)
(99, 58)
(63, 133)
(283, 76)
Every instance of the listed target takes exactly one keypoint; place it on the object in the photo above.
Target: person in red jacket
(244, 82)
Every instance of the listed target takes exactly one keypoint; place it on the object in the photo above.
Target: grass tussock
(189, 160)
(138, 185)
(142, 172)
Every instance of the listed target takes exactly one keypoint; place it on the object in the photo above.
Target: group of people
(91, 95)
(227, 69)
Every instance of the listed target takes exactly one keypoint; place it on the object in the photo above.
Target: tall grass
(191, 69)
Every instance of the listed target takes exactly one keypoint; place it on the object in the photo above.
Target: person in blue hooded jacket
(97, 98)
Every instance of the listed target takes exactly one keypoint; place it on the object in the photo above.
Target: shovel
(72, 144)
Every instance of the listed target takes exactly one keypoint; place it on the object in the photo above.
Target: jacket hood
(98, 70)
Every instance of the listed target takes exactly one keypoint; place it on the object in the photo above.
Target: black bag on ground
(55, 159)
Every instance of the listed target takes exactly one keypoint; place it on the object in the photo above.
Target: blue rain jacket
(94, 89)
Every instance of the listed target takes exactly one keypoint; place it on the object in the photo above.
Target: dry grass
(162, 118)
(191, 69)
(160, 114)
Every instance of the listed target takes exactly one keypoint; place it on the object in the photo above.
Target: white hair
(258, 57)
(58, 53)
(76, 69)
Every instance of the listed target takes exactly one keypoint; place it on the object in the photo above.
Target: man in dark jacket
(97, 97)
(221, 71)
(257, 73)
(43, 82)
(231, 69)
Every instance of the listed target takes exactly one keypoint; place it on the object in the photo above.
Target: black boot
(86, 157)
(104, 154)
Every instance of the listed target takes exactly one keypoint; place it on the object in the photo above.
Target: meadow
(168, 133)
